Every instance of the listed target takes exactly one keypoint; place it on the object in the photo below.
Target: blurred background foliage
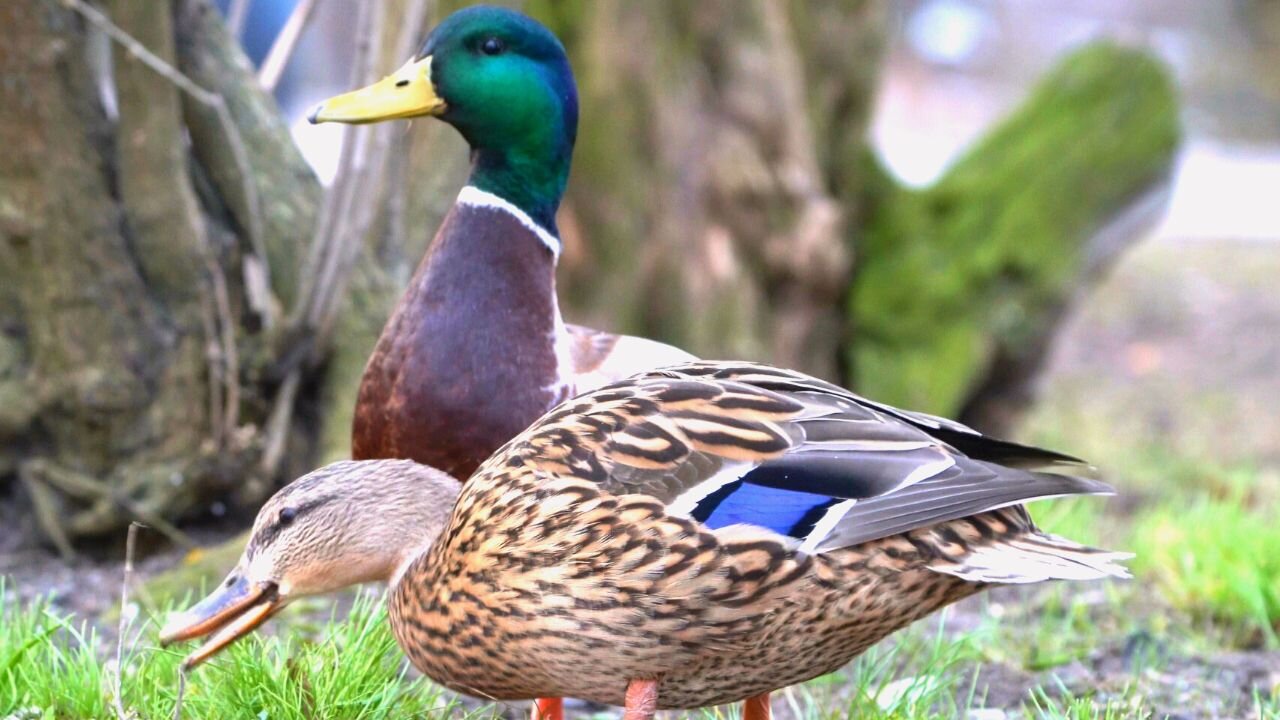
(191, 305)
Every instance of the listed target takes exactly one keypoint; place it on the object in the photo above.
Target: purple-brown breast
(466, 361)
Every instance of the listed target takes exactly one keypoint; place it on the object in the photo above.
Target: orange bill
(232, 611)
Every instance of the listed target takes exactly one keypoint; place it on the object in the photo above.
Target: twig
(125, 617)
(235, 142)
(411, 28)
(231, 357)
(222, 354)
(365, 172)
(330, 257)
(282, 49)
(385, 166)
(182, 691)
(79, 485)
(213, 356)
(237, 16)
(45, 505)
(277, 427)
(328, 240)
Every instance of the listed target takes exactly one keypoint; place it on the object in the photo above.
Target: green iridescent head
(503, 80)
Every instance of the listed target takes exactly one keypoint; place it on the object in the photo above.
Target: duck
(476, 348)
(691, 536)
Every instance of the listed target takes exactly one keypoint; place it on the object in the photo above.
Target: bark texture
(140, 361)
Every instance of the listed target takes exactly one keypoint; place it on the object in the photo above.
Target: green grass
(1076, 518)
(53, 667)
(1061, 629)
(48, 663)
(1214, 559)
(1207, 578)
(1267, 708)
(1068, 706)
(919, 674)
(1200, 521)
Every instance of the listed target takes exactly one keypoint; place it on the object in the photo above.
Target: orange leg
(756, 708)
(642, 700)
(548, 709)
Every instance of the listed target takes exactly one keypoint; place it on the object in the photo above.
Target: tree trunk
(702, 207)
(141, 359)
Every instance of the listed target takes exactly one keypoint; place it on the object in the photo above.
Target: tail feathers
(1035, 557)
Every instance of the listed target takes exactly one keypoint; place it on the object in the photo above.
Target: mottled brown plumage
(724, 530)
(580, 580)
(651, 597)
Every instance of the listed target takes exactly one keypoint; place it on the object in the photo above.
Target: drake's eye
(287, 515)
(492, 46)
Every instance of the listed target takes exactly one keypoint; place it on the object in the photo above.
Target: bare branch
(340, 228)
(213, 356)
(282, 49)
(333, 246)
(227, 336)
(365, 175)
(396, 190)
(276, 431)
(411, 27)
(238, 16)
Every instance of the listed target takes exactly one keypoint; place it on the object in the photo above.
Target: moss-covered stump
(967, 277)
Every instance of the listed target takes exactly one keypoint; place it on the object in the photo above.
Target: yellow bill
(405, 93)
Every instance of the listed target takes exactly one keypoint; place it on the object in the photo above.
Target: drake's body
(477, 350)
(467, 359)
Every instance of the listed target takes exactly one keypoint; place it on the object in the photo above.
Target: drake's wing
(754, 445)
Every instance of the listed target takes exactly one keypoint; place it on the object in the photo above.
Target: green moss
(979, 262)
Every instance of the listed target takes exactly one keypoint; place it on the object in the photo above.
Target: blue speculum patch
(789, 512)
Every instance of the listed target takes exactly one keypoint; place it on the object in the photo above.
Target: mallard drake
(688, 537)
(477, 349)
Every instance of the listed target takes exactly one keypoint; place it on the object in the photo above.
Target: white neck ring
(472, 196)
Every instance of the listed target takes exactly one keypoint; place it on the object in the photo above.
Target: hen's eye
(492, 46)
(287, 515)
